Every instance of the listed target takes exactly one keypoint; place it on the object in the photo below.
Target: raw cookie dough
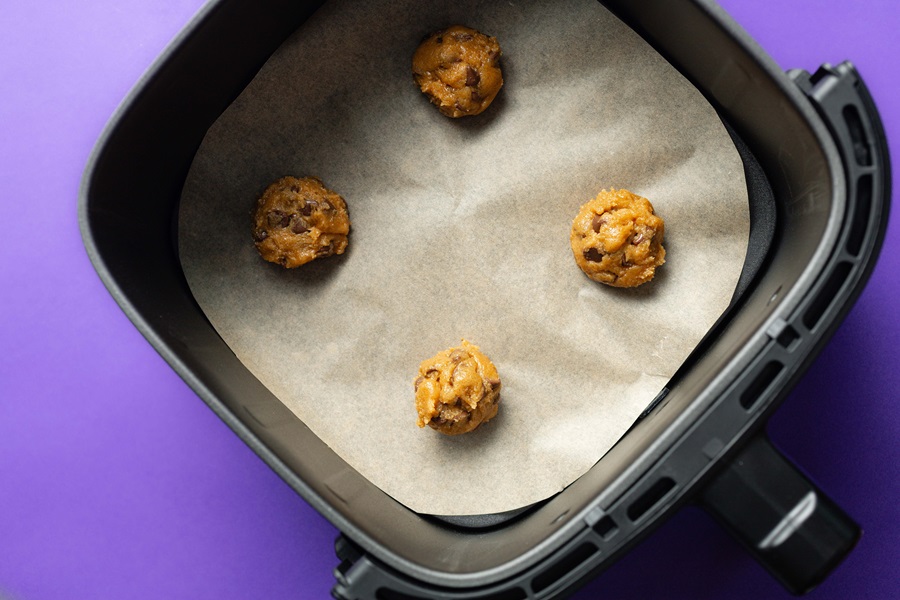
(299, 220)
(459, 70)
(457, 390)
(617, 239)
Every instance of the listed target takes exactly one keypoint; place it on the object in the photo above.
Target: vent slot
(569, 563)
(860, 215)
(761, 384)
(513, 594)
(650, 498)
(862, 151)
(826, 295)
(606, 527)
(387, 594)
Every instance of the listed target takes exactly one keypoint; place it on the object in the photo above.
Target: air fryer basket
(816, 165)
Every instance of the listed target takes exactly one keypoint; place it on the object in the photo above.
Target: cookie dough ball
(457, 390)
(299, 220)
(617, 239)
(459, 70)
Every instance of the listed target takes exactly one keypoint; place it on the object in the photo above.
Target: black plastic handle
(783, 519)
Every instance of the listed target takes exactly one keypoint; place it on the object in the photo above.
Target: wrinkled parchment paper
(460, 229)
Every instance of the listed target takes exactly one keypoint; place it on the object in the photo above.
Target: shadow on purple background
(117, 482)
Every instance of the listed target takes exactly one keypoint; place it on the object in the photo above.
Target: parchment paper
(460, 229)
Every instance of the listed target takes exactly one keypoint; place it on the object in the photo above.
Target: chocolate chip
(637, 239)
(327, 206)
(453, 413)
(593, 255)
(493, 382)
(419, 382)
(458, 355)
(308, 207)
(325, 250)
(476, 97)
(472, 77)
(598, 221)
(430, 371)
(626, 263)
(494, 56)
(275, 218)
(260, 234)
(299, 226)
(453, 375)
(440, 40)
(295, 189)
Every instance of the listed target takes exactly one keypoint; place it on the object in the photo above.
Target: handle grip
(796, 532)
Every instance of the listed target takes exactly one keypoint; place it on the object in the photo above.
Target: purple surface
(116, 481)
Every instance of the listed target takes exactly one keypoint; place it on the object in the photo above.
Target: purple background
(116, 481)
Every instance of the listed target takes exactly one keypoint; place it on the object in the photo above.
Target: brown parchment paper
(460, 229)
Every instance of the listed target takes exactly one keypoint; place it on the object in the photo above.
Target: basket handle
(795, 531)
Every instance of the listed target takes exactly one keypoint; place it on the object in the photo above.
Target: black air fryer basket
(817, 171)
